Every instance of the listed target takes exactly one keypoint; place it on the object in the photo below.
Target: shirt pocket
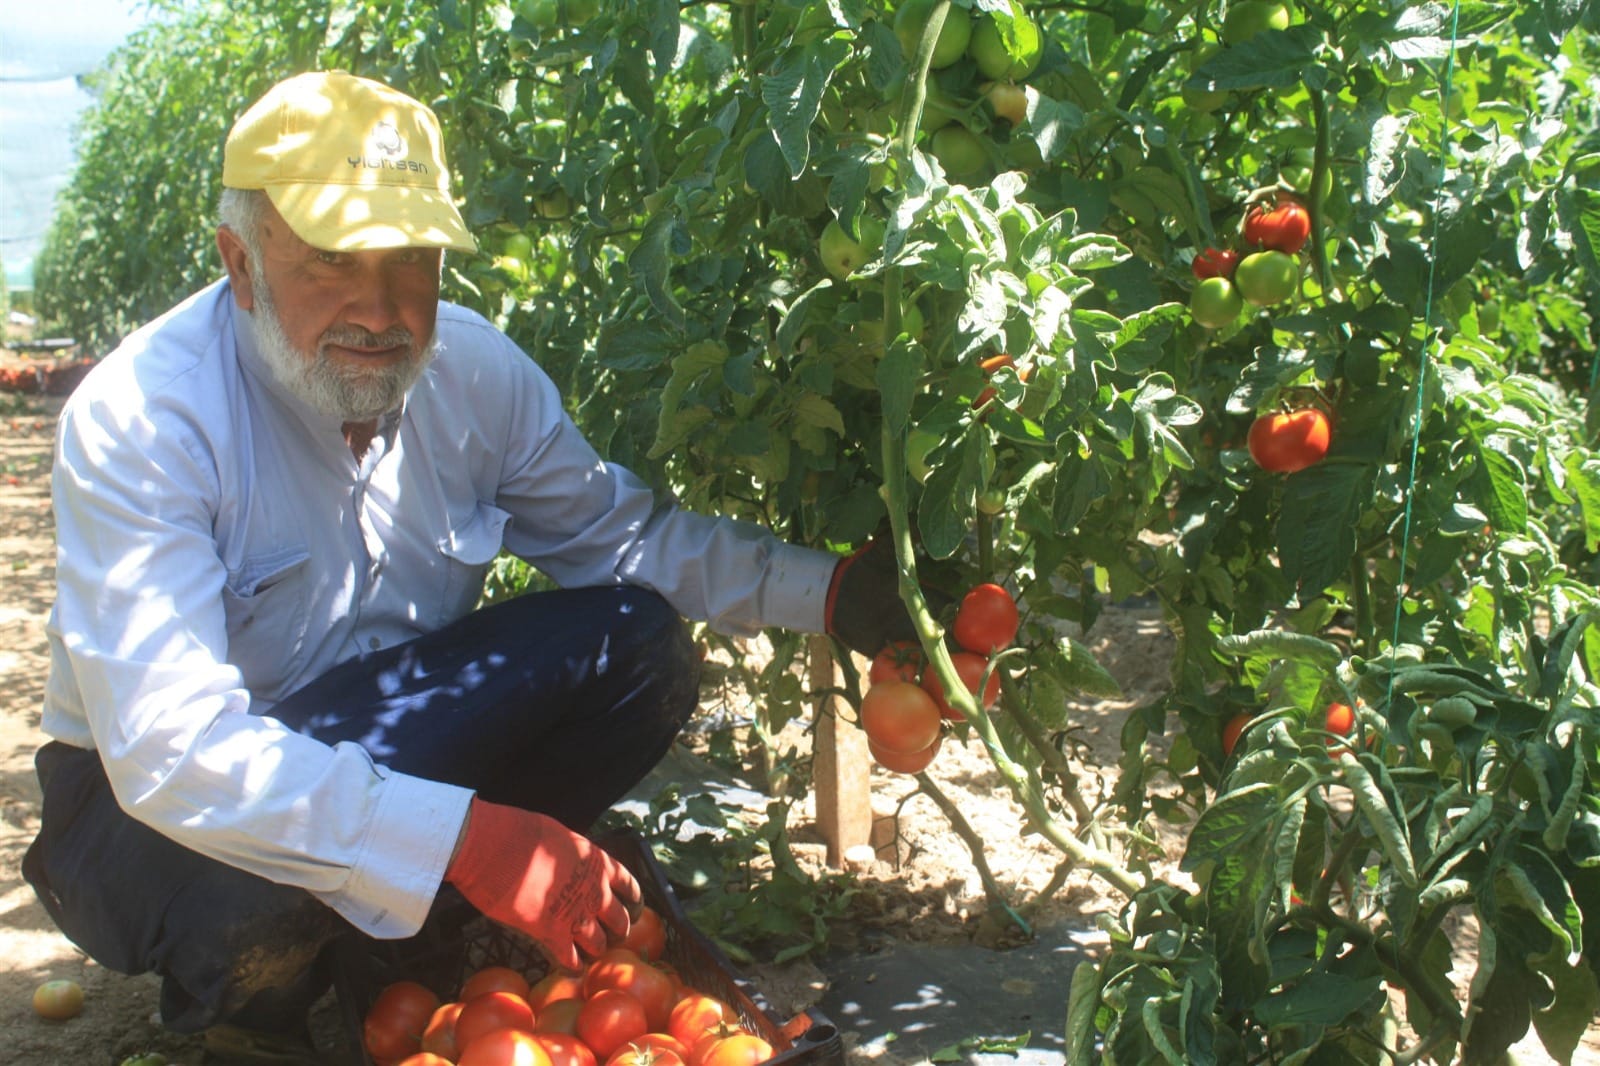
(266, 601)
(468, 549)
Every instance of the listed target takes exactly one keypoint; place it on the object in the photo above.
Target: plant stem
(969, 836)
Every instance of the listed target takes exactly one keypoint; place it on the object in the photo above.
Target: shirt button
(373, 642)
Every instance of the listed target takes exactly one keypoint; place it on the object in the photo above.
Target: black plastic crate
(456, 942)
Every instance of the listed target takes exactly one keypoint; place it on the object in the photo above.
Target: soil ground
(932, 895)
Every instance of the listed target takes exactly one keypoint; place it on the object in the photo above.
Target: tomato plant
(1285, 442)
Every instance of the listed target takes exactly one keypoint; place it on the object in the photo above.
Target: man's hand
(864, 609)
(532, 873)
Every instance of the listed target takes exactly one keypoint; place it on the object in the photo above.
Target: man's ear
(236, 259)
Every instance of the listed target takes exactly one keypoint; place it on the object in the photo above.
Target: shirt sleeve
(139, 631)
(585, 521)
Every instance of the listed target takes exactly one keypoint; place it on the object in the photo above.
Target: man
(275, 713)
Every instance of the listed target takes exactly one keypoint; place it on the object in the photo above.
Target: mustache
(356, 337)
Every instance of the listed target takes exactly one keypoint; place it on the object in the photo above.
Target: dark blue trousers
(558, 702)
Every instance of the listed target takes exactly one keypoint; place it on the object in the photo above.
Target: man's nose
(373, 304)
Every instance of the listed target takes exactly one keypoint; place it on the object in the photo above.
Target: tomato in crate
(457, 945)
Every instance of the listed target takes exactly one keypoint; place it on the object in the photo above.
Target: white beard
(351, 393)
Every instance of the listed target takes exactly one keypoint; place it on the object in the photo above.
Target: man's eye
(330, 258)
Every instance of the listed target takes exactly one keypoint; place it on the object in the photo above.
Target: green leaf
(1272, 59)
(898, 372)
(1233, 820)
(792, 91)
(945, 514)
(651, 262)
(1083, 1000)
(1501, 488)
(1316, 532)
(1318, 998)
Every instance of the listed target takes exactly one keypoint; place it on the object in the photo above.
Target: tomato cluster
(1266, 272)
(627, 1007)
(905, 708)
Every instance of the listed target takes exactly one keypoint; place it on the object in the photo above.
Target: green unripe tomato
(1010, 53)
(1215, 303)
(1204, 101)
(959, 151)
(919, 442)
(842, 254)
(992, 501)
(1267, 278)
(954, 35)
(1250, 17)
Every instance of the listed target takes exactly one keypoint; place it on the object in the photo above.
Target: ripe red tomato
(1341, 719)
(970, 667)
(609, 1019)
(987, 620)
(624, 970)
(643, 1053)
(900, 660)
(421, 1058)
(1215, 263)
(505, 1047)
(440, 1035)
(490, 1011)
(494, 979)
(558, 1017)
(1284, 442)
(395, 1022)
(904, 762)
(565, 1049)
(710, 1039)
(1232, 731)
(695, 1013)
(741, 1049)
(552, 987)
(899, 717)
(647, 936)
(1284, 227)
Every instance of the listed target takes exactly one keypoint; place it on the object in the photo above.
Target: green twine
(1427, 331)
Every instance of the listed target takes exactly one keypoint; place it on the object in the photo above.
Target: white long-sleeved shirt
(219, 546)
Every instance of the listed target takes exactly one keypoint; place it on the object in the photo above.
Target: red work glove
(532, 873)
(863, 608)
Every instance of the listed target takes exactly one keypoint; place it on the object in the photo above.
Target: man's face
(348, 332)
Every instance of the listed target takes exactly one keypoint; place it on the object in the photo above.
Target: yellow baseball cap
(349, 163)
